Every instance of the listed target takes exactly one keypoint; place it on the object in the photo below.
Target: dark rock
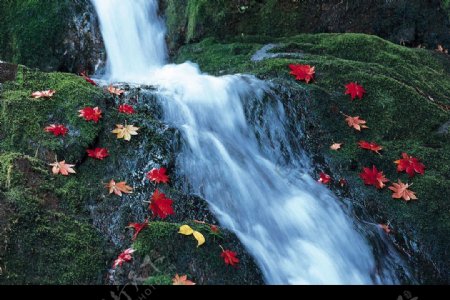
(8, 71)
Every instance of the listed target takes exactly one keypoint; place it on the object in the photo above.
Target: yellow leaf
(125, 132)
(186, 230)
(199, 237)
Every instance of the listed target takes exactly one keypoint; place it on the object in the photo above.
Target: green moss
(25, 118)
(158, 280)
(171, 253)
(407, 101)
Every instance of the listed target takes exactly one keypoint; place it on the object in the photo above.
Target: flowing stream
(239, 156)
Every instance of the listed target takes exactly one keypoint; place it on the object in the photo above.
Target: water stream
(238, 155)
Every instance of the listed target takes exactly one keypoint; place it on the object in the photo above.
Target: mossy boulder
(410, 22)
(407, 108)
(52, 35)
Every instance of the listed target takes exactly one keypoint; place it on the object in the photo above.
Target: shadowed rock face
(7, 71)
(64, 35)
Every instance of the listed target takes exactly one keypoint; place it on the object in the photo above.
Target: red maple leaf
(214, 228)
(373, 177)
(229, 257)
(324, 178)
(91, 114)
(158, 175)
(87, 78)
(138, 228)
(160, 205)
(57, 129)
(125, 256)
(302, 72)
(98, 153)
(410, 165)
(126, 109)
(370, 146)
(355, 90)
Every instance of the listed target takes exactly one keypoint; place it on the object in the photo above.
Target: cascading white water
(294, 227)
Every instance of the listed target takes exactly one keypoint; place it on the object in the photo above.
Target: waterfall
(234, 133)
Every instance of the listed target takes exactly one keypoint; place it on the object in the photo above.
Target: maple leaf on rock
(125, 256)
(356, 122)
(355, 90)
(410, 165)
(160, 205)
(125, 131)
(119, 187)
(158, 175)
(181, 280)
(62, 168)
(370, 146)
(138, 227)
(88, 79)
(400, 191)
(229, 257)
(43, 94)
(385, 228)
(126, 109)
(98, 153)
(115, 91)
(57, 129)
(214, 228)
(91, 113)
(302, 72)
(373, 177)
(324, 178)
(336, 146)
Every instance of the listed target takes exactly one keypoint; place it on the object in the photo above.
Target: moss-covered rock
(51, 35)
(411, 22)
(406, 107)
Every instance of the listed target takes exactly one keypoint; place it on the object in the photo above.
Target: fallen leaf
(410, 165)
(125, 132)
(87, 78)
(181, 280)
(125, 256)
(400, 191)
(62, 168)
(214, 228)
(342, 182)
(336, 146)
(160, 205)
(385, 228)
(199, 237)
(324, 178)
(355, 90)
(229, 257)
(302, 72)
(119, 187)
(98, 153)
(356, 122)
(57, 129)
(373, 177)
(91, 114)
(186, 230)
(158, 175)
(126, 109)
(115, 91)
(138, 227)
(43, 94)
(370, 146)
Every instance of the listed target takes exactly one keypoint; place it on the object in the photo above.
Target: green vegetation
(171, 253)
(406, 108)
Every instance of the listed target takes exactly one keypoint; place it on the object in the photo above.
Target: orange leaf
(356, 122)
(118, 188)
(43, 94)
(181, 280)
(336, 146)
(400, 191)
(385, 228)
(62, 168)
(115, 91)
